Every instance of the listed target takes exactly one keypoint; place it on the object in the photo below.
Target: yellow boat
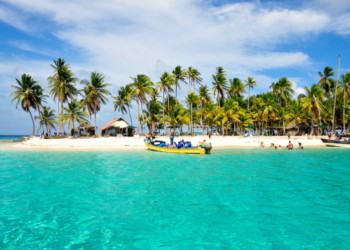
(198, 151)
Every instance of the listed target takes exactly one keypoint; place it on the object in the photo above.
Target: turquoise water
(10, 137)
(233, 199)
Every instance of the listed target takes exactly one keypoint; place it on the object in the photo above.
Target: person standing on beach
(290, 145)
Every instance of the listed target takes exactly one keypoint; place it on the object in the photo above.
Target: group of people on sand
(290, 146)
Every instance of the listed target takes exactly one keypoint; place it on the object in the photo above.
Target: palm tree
(177, 117)
(165, 85)
(179, 75)
(283, 89)
(47, 119)
(250, 83)
(345, 90)
(95, 93)
(74, 113)
(194, 76)
(312, 103)
(236, 88)
(298, 116)
(154, 94)
(204, 94)
(152, 114)
(325, 80)
(284, 115)
(232, 111)
(245, 120)
(191, 99)
(219, 84)
(141, 87)
(29, 94)
(62, 84)
(122, 102)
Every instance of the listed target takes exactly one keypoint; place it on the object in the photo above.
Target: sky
(265, 40)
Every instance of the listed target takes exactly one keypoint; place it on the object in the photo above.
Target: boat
(160, 146)
(337, 143)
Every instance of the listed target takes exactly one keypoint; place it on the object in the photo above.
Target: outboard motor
(207, 147)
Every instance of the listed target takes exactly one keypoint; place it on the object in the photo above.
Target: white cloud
(295, 86)
(28, 47)
(11, 18)
(342, 24)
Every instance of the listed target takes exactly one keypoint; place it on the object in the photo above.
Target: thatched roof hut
(85, 129)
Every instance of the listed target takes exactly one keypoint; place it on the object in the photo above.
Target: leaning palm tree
(95, 93)
(312, 103)
(250, 83)
(236, 88)
(62, 84)
(141, 87)
(74, 113)
(29, 94)
(179, 75)
(325, 79)
(47, 119)
(122, 102)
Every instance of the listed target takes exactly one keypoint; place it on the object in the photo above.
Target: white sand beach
(134, 143)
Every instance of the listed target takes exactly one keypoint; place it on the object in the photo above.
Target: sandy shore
(132, 143)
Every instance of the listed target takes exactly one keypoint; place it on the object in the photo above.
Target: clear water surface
(10, 137)
(233, 199)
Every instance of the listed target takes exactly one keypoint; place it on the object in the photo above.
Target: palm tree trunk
(191, 120)
(62, 124)
(130, 115)
(95, 124)
(168, 102)
(33, 133)
(176, 91)
(58, 111)
(248, 96)
(163, 113)
(284, 129)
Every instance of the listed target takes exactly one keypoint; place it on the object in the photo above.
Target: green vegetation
(225, 109)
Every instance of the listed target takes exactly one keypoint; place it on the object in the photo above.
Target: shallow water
(250, 198)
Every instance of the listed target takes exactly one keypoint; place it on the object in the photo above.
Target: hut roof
(86, 125)
(111, 123)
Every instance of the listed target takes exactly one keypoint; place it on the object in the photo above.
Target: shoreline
(137, 144)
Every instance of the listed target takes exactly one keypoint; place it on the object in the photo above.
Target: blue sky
(263, 39)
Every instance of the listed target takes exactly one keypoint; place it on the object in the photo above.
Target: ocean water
(233, 199)
(10, 137)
